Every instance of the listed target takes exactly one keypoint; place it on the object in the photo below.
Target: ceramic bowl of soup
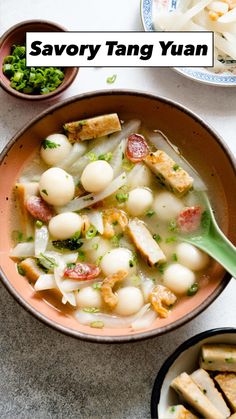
(94, 207)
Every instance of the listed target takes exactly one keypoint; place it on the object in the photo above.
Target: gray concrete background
(46, 375)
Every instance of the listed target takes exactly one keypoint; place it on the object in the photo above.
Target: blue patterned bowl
(202, 75)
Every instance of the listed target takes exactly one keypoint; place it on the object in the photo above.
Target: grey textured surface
(46, 375)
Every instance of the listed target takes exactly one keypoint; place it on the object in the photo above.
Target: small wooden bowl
(16, 35)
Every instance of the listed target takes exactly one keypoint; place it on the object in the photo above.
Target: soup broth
(104, 210)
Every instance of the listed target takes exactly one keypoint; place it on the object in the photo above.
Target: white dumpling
(141, 175)
(89, 297)
(56, 186)
(178, 278)
(56, 150)
(167, 206)
(63, 226)
(119, 259)
(96, 176)
(139, 200)
(191, 256)
(130, 301)
(99, 249)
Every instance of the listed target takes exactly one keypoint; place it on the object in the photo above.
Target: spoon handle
(219, 247)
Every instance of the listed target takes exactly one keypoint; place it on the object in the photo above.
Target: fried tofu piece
(218, 357)
(227, 383)
(192, 394)
(207, 386)
(24, 191)
(90, 128)
(145, 243)
(178, 412)
(31, 269)
(169, 173)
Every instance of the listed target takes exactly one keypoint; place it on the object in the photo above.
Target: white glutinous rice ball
(63, 226)
(103, 246)
(167, 206)
(130, 301)
(89, 297)
(96, 176)
(191, 256)
(55, 148)
(56, 186)
(139, 200)
(178, 278)
(119, 259)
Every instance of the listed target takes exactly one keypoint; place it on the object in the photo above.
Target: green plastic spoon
(214, 242)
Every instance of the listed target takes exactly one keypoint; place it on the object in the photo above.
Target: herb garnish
(150, 213)
(193, 290)
(21, 270)
(111, 79)
(49, 144)
(176, 167)
(122, 197)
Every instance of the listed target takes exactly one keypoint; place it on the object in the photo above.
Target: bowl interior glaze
(16, 36)
(199, 145)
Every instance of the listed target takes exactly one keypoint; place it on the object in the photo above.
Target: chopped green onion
(176, 167)
(29, 239)
(157, 238)
(150, 213)
(161, 268)
(44, 191)
(91, 156)
(107, 157)
(30, 80)
(116, 239)
(193, 289)
(91, 310)
(81, 255)
(127, 165)
(98, 261)
(122, 197)
(49, 144)
(172, 226)
(112, 79)
(229, 360)
(91, 232)
(98, 324)
(170, 239)
(174, 257)
(131, 263)
(39, 223)
(70, 265)
(97, 286)
(21, 270)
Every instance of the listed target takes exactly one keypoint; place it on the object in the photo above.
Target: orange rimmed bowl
(200, 145)
(16, 36)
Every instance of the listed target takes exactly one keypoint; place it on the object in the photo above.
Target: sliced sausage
(189, 219)
(82, 271)
(39, 209)
(137, 148)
